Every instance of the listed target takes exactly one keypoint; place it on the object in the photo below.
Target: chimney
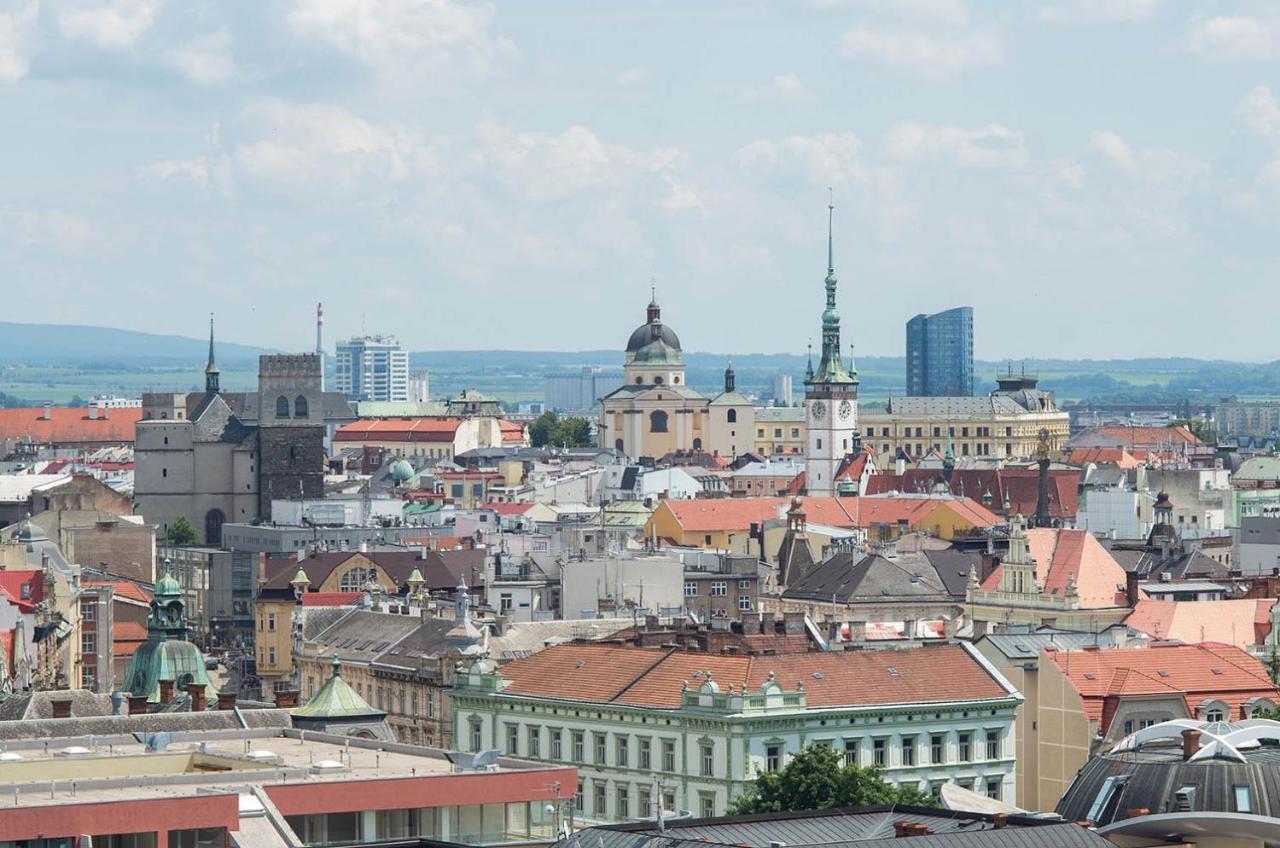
(93, 412)
(901, 829)
(61, 707)
(137, 704)
(196, 692)
(1131, 588)
(1190, 743)
(226, 700)
(999, 820)
(286, 699)
(166, 691)
(47, 412)
(1136, 812)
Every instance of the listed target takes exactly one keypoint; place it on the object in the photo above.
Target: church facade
(655, 413)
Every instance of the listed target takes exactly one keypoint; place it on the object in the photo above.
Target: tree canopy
(550, 430)
(181, 532)
(817, 779)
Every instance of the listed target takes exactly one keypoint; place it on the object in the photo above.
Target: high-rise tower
(830, 396)
(320, 340)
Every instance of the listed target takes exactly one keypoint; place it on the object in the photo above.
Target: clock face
(845, 409)
(819, 410)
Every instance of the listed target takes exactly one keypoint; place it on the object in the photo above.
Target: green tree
(817, 779)
(575, 432)
(550, 430)
(181, 532)
(543, 430)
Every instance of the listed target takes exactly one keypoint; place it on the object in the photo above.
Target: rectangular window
(533, 735)
(556, 753)
(271, 621)
(993, 744)
(601, 799)
(777, 432)
(744, 603)
(476, 743)
(690, 589)
(623, 752)
(706, 804)
(909, 751)
(669, 800)
(936, 750)
(1244, 803)
(966, 747)
(744, 584)
(601, 757)
(579, 798)
(456, 490)
(578, 746)
(645, 746)
(88, 677)
(993, 788)
(624, 803)
(773, 758)
(88, 642)
(878, 752)
(513, 739)
(646, 802)
(851, 752)
(88, 610)
(668, 755)
(719, 588)
(795, 432)
(271, 656)
(708, 759)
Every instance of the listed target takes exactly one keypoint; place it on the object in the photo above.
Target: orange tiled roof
(330, 599)
(399, 430)
(1118, 457)
(123, 589)
(651, 678)
(712, 514)
(1198, 672)
(1236, 622)
(1151, 437)
(1061, 555)
(67, 425)
(11, 583)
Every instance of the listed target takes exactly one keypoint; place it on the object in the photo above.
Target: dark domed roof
(658, 352)
(645, 333)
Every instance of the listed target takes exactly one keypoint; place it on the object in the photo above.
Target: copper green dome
(168, 585)
(657, 352)
(401, 471)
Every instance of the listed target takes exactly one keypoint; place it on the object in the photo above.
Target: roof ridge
(1232, 660)
(661, 659)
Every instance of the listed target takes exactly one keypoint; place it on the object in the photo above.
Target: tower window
(657, 421)
(733, 416)
(300, 409)
(282, 407)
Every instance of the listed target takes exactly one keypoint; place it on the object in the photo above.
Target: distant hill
(106, 347)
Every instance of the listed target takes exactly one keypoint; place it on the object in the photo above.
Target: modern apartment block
(940, 354)
(372, 368)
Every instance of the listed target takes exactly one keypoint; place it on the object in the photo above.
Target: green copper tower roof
(166, 654)
(830, 368)
(336, 699)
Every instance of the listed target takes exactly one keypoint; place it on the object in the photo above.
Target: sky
(1097, 178)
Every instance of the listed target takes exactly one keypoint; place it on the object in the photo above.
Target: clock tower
(830, 397)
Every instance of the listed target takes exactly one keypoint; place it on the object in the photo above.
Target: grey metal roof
(364, 634)
(1027, 646)
(869, 827)
(907, 576)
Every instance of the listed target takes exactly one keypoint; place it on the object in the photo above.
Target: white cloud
(784, 88)
(114, 25)
(929, 54)
(205, 59)
(939, 11)
(16, 31)
(1090, 11)
(394, 36)
(1260, 111)
(1238, 37)
(318, 146)
(992, 146)
(630, 77)
(1150, 165)
(824, 159)
(195, 171)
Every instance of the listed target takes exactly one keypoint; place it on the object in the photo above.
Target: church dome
(401, 471)
(657, 352)
(653, 330)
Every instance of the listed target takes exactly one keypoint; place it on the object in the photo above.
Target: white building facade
(372, 368)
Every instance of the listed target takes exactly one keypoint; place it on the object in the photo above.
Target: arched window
(300, 407)
(617, 444)
(697, 444)
(657, 421)
(282, 407)
(213, 520)
(733, 416)
(354, 579)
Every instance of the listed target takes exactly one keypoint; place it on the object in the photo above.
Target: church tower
(830, 397)
(211, 372)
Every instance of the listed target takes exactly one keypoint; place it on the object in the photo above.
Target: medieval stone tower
(291, 428)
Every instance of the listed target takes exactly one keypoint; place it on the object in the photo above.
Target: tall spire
(830, 368)
(211, 372)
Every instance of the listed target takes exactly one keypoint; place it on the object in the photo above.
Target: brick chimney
(226, 700)
(61, 707)
(137, 704)
(196, 693)
(166, 691)
(1131, 589)
(286, 699)
(1190, 743)
(999, 820)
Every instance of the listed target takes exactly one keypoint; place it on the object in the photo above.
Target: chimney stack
(61, 707)
(93, 411)
(226, 700)
(137, 704)
(166, 691)
(196, 692)
(1131, 588)
(47, 412)
(1190, 743)
(999, 820)
(286, 699)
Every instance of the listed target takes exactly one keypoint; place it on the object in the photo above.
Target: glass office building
(940, 354)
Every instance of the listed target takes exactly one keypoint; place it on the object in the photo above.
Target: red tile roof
(1103, 456)
(512, 431)
(67, 425)
(123, 589)
(399, 430)
(1062, 555)
(330, 599)
(1196, 672)
(127, 636)
(1151, 437)
(737, 514)
(653, 678)
(11, 583)
(507, 508)
(1236, 622)
(1020, 486)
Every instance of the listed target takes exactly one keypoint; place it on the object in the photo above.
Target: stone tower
(830, 397)
(291, 428)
